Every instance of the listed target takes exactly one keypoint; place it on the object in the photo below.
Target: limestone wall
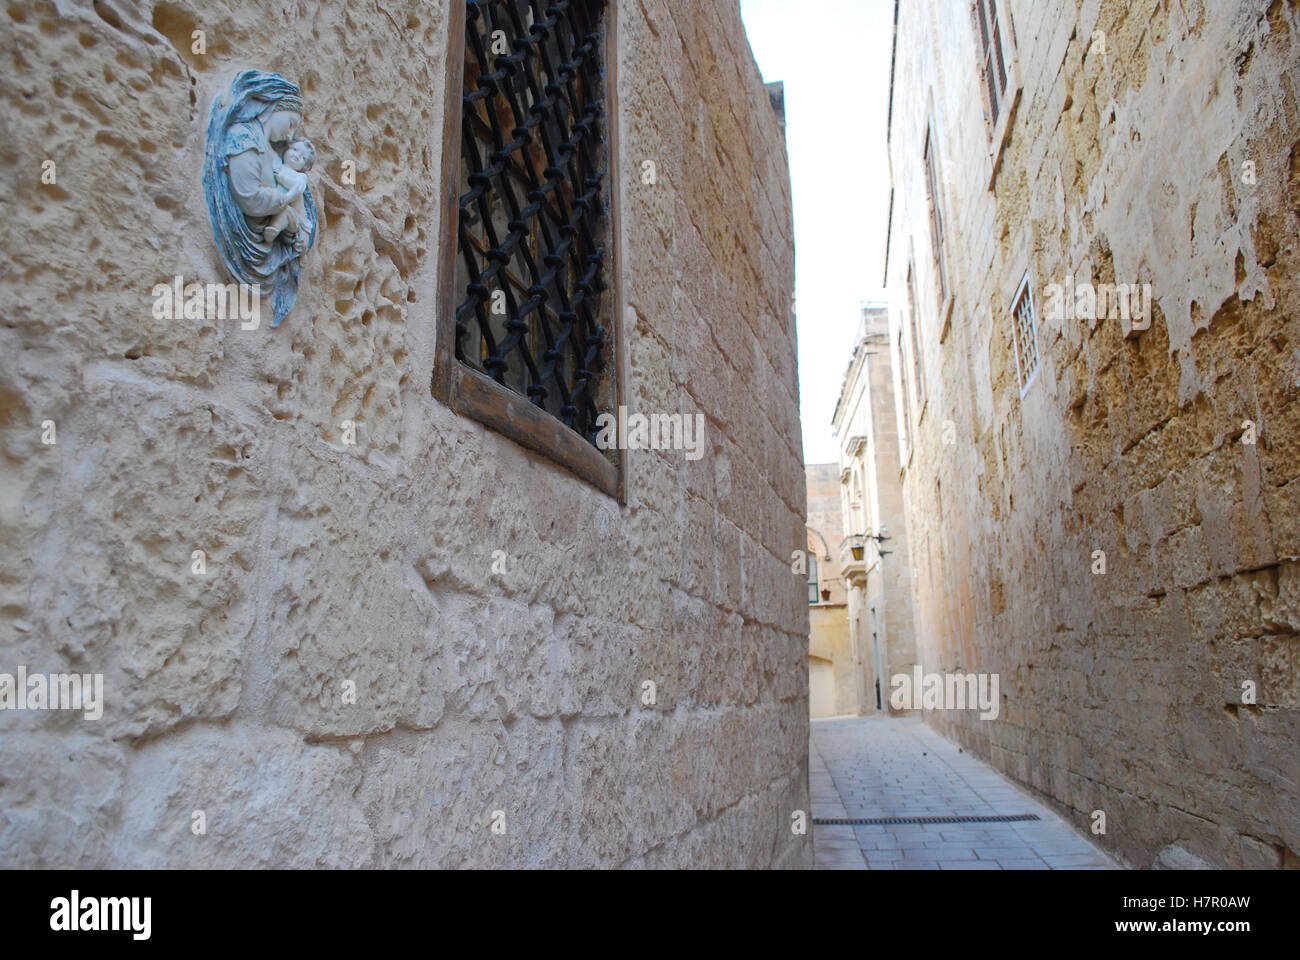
(477, 690)
(1128, 160)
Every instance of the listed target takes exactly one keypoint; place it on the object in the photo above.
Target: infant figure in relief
(291, 175)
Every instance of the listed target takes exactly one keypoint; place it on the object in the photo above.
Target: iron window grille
(993, 68)
(528, 339)
(1024, 329)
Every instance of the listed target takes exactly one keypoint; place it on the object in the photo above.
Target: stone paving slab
(834, 848)
(870, 767)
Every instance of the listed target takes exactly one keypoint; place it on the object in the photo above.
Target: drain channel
(902, 821)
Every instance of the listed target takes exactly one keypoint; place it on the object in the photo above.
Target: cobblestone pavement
(869, 767)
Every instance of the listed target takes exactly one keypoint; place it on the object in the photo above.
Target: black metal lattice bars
(533, 223)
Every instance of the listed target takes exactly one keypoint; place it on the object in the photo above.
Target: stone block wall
(481, 686)
(1158, 143)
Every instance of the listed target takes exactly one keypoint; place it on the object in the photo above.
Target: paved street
(872, 767)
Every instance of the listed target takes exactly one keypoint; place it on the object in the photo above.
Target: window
(1024, 328)
(993, 68)
(905, 400)
(936, 217)
(913, 323)
(528, 338)
(859, 504)
(813, 595)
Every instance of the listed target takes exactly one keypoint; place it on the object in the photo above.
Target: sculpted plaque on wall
(255, 182)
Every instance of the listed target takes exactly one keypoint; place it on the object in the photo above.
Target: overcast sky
(833, 56)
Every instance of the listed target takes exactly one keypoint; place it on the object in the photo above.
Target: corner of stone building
(349, 521)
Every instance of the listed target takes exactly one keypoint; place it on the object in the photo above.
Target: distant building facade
(873, 554)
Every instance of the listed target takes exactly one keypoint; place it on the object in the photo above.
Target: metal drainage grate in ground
(902, 821)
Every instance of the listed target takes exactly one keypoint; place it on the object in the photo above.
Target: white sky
(833, 56)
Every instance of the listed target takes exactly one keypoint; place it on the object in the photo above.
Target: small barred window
(1025, 331)
(532, 311)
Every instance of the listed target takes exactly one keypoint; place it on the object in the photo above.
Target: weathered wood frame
(999, 127)
(467, 391)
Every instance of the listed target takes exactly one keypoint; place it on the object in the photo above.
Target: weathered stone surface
(1150, 144)
(1174, 857)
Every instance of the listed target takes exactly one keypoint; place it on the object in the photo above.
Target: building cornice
(866, 338)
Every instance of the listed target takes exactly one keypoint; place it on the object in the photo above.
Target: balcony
(853, 559)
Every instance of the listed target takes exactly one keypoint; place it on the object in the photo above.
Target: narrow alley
(899, 770)
(649, 435)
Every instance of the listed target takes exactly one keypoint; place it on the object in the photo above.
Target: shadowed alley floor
(872, 767)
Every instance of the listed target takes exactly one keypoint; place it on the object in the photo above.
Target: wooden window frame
(997, 126)
(905, 404)
(914, 341)
(468, 392)
(938, 230)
